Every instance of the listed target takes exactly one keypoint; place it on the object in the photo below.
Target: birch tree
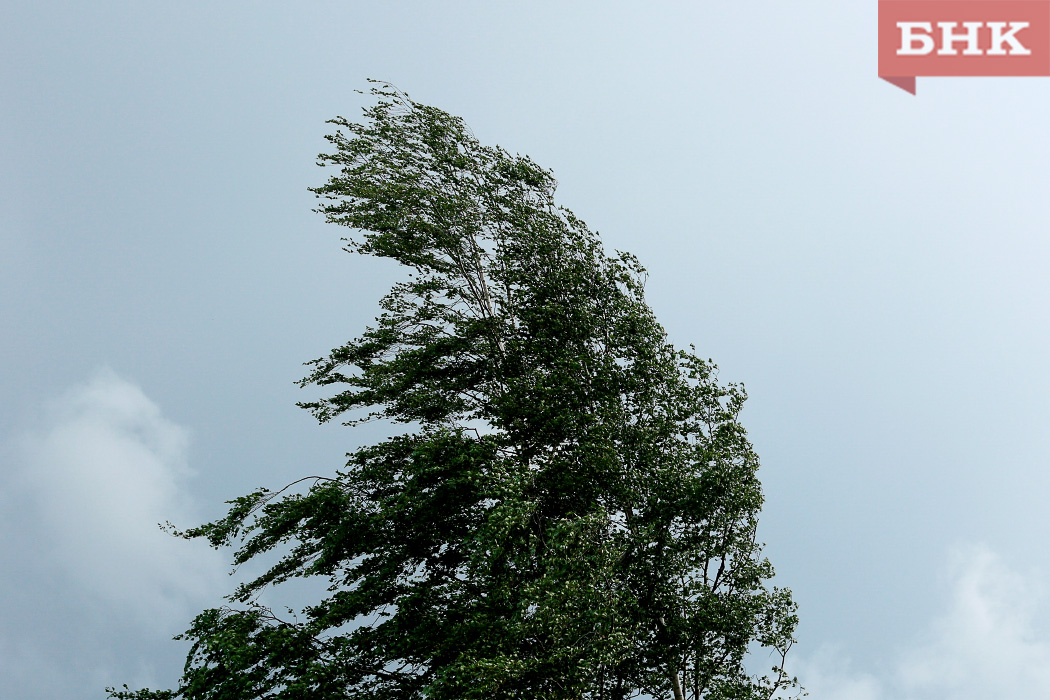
(569, 508)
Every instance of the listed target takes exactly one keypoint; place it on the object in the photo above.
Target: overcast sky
(871, 265)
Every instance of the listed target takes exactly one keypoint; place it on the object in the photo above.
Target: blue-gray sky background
(871, 265)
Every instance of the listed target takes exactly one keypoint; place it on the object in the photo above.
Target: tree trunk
(676, 685)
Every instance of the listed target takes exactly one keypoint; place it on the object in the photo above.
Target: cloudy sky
(871, 265)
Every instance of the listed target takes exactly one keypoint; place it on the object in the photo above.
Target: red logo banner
(963, 38)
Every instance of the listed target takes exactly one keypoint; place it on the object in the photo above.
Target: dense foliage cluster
(572, 510)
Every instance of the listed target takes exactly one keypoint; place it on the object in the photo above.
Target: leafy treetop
(572, 513)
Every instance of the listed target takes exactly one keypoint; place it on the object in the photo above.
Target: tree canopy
(570, 508)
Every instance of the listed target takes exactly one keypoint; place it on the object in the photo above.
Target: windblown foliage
(572, 513)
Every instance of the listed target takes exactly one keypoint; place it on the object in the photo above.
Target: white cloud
(831, 675)
(986, 644)
(91, 590)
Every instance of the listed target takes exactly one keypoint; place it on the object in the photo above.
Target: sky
(871, 265)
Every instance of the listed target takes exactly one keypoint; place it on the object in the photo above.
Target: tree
(571, 510)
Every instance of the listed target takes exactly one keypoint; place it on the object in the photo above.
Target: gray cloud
(91, 590)
(987, 643)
